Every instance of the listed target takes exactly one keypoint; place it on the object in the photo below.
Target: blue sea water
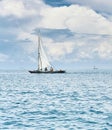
(73, 101)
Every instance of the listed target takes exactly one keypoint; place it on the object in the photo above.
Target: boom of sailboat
(44, 65)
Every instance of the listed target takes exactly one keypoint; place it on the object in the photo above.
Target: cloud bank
(103, 6)
(77, 19)
(90, 32)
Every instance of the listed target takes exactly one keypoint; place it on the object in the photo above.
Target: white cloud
(105, 50)
(76, 18)
(31, 45)
(20, 8)
(3, 57)
(99, 5)
(75, 50)
(59, 50)
(97, 50)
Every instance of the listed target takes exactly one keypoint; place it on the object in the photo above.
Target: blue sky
(76, 34)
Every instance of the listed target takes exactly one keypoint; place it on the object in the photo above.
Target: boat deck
(47, 72)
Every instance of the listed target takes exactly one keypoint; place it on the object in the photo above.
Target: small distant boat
(95, 68)
(44, 65)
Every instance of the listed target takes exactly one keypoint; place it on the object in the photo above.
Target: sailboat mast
(38, 53)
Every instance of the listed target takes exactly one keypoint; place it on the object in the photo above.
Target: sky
(76, 34)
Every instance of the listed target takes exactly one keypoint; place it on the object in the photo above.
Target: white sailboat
(95, 68)
(44, 65)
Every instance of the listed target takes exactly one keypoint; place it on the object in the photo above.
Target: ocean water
(73, 101)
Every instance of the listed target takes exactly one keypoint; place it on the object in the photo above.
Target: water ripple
(73, 101)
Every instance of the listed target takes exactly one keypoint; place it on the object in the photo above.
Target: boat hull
(47, 72)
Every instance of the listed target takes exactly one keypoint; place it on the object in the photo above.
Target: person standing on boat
(51, 69)
(45, 68)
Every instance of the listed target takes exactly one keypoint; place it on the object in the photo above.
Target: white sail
(43, 61)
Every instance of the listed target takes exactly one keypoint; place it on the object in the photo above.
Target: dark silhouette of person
(45, 68)
(51, 69)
